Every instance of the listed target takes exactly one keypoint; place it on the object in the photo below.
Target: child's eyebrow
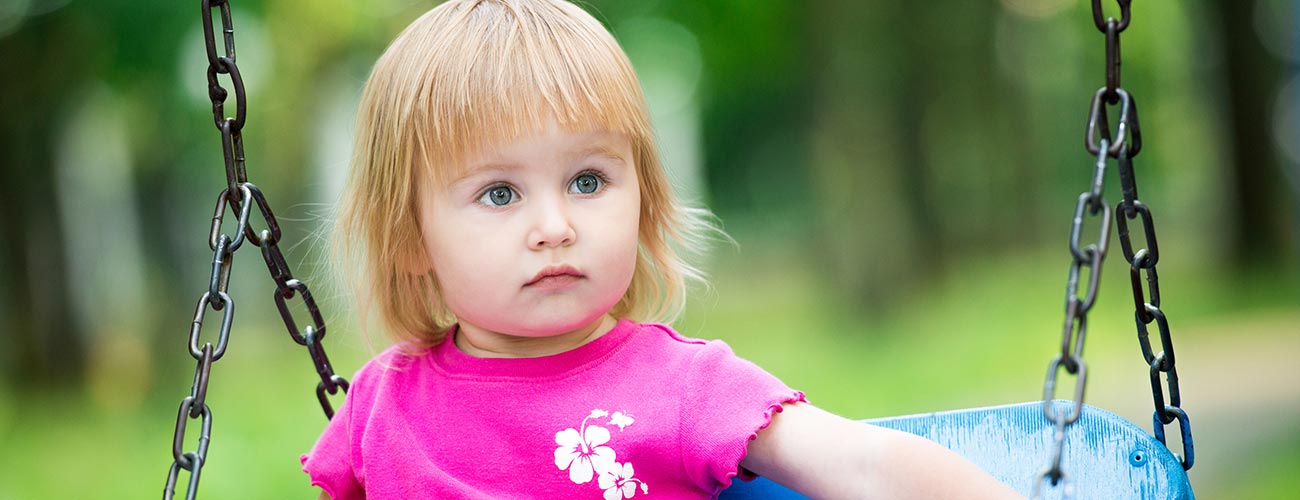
(480, 169)
(600, 150)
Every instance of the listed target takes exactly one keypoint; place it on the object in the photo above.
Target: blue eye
(585, 184)
(498, 196)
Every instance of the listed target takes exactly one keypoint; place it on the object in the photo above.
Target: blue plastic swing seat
(1106, 457)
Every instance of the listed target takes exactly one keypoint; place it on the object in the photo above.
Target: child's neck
(482, 343)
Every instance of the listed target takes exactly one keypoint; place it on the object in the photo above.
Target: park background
(898, 178)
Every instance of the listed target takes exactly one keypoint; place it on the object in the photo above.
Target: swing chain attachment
(1122, 145)
(1146, 303)
(1146, 300)
(1074, 332)
(239, 196)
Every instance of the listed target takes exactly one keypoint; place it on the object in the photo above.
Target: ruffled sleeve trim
(773, 408)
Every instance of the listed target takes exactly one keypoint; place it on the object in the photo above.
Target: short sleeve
(728, 400)
(333, 462)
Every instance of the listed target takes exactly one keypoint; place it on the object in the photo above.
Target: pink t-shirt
(639, 412)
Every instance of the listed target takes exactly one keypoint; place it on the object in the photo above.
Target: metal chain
(1144, 260)
(1102, 145)
(1091, 204)
(239, 196)
(1125, 144)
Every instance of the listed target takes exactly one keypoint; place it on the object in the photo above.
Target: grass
(981, 336)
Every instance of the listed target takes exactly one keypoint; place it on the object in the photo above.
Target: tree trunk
(40, 345)
(1260, 233)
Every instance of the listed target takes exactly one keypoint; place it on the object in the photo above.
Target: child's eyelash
(599, 175)
(494, 185)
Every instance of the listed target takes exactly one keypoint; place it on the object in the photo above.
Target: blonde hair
(469, 74)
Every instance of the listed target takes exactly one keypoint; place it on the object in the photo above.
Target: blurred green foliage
(898, 176)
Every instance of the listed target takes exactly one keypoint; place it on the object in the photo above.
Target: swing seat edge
(1106, 456)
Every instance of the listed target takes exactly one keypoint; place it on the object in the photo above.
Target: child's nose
(553, 227)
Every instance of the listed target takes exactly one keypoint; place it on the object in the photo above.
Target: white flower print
(582, 453)
(620, 484)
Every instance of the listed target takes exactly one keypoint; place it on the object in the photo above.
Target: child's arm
(823, 455)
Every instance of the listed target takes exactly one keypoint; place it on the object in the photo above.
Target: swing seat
(1106, 457)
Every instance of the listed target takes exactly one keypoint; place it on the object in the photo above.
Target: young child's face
(538, 237)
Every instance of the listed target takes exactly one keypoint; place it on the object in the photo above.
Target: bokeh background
(898, 178)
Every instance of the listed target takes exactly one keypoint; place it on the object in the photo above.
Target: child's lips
(555, 277)
(553, 283)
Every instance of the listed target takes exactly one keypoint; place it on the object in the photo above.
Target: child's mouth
(556, 282)
(555, 278)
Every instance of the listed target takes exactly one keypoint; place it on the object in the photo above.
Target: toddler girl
(510, 216)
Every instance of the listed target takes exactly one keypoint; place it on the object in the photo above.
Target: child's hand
(823, 455)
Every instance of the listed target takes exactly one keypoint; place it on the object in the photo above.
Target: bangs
(504, 71)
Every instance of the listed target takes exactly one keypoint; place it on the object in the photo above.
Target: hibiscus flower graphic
(582, 452)
(620, 484)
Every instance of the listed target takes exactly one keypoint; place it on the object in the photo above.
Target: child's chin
(551, 327)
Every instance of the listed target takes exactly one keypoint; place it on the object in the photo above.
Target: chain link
(1099, 15)
(1146, 302)
(239, 196)
(1122, 146)
(1091, 203)
(1100, 143)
